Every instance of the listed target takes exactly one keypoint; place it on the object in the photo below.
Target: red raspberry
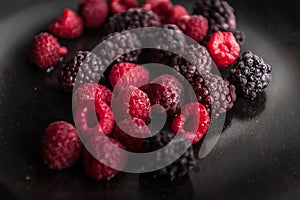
(69, 25)
(91, 91)
(119, 6)
(160, 7)
(176, 13)
(192, 122)
(60, 146)
(131, 133)
(125, 74)
(94, 118)
(195, 26)
(223, 48)
(132, 102)
(166, 91)
(103, 148)
(46, 51)
(93, 12)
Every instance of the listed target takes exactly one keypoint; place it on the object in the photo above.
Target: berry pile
(116, 98)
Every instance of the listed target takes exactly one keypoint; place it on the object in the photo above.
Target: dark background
(257, 157)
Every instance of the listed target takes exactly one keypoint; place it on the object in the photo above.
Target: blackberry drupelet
(119, 46)
(251, 75)
(220, 16)
(131, 19)
(199, 55)
(216, 94)
(182, 166)
(91, 68)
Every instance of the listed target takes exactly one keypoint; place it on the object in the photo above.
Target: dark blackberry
(90, 66)
(131, 19)
(216, 94)
(171, 41)
(182, 166)
(197, 54)
(220, 16)
(118, 45)
(251, 75)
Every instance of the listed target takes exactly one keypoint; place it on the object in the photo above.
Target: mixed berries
(116, 97)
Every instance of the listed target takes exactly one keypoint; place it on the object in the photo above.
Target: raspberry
(176, 13)
(199, 55)
(91, 91)
(94, 118)
(166, 91)
(84, 66)
(46, 51)
(251, 75)
(192, 122)
(125, 74)
(93, 12)
(223, 49)
(101, 149)
(216, 94)
(119, 6)
(131, 19)
(182, 166)
(131, 133)
(220, 16)
(132, 102)
(161, 7)
(69, 25)
(60, 146)
(195, 26)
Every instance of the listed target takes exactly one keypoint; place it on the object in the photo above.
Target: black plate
(257, 157)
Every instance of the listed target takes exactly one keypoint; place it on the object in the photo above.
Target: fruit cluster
(105, 118)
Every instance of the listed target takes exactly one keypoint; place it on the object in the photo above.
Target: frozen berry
(69, 25)
(46, 51)
(202, 62)
(223, 48)
(101, 148)
(195, 26)
(177, 168)
(83, 67)
(132, 19)
(220, 16)
(166, 91)
(94, 118)
(251, 75)
(161, 7)
(119, 6)
(132, 102)
(125, 74)
(93, 12)
(176, 13)
(131, 133)
(119, 46)
(60, 146)
(192, 122)
(215, 93)
(91, 91)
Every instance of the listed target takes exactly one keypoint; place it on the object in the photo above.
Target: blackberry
(171, 41)
(131, 19)
(118, 45)
(182, 166)
(199, 55)
(251, 75)
(216, 94)
(220, 16)
(90, 66)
